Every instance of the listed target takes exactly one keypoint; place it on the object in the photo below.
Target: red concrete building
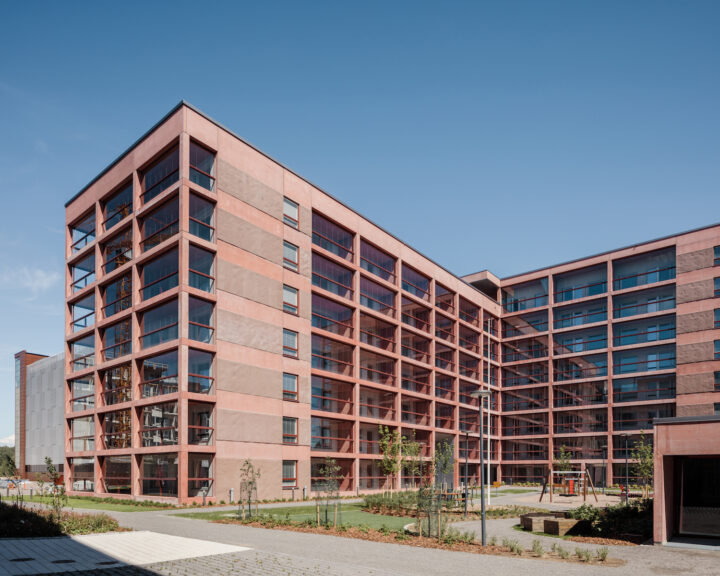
(220, 307)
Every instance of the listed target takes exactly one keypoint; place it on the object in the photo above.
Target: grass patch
(19, 522)
(109, 504)
(350, 515)
(500, 492)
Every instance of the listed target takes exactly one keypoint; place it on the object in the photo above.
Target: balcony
(377, 262)
(331, 237)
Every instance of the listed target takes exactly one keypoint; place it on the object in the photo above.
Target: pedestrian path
(98, 551)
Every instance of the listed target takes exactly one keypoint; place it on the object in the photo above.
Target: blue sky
(503, 135)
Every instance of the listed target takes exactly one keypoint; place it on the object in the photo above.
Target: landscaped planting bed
(21, 522)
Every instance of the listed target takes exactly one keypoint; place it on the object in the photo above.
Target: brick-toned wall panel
(248, 427)
(244, 187)
(695, 260)
(695, 410)
(227, 474)
(704, 320)
(695, 291)
(248, 284)
(699, 352)
(694, 383)
(248, 332)
(249, 237)
(246, 379)
(305, 220)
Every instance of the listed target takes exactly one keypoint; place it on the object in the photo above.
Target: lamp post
(480, 394)
(627, 470)
(467, 449)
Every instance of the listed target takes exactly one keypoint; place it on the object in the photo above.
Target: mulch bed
(417, 542)
(605, 541)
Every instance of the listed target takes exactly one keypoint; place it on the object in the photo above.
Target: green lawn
(514, 491)
(350, 515)
(91, 504)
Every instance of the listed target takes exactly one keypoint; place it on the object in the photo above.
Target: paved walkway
(97, 551)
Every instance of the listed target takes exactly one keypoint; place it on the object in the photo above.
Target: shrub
(563, 553)
(583, 554)
(601, 554)
(537, 548)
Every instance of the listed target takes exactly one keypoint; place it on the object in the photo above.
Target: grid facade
(221, 308)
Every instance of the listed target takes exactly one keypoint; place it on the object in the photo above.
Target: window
(82, 273)
(117, 295)
(117, 251)
(82, 353)
(332, 237)
(117, 475)
(159, 275)
(717, 381)
(289, 472)
(159, 474)
(291, 260)
(83, 313)
(717, 349)
(118, 206)
(717, 409)
(200, 320)
(160, 424)
(290, 387)
(82, 392)
(200, 370)
(290, 299)
(82, 474)
(202, 162)
(716, 260)
(200, 475)
(159, 324)
(116, 430)
(200, 423)
(117, 340)
(290, 343)
(82, 434)
(201, 269)
(291, 213)
(290, 427)
(82, 233)
(160, 224)
(160, 176)
(717, 317)
(116, 384)
(159, 375)
(717, 287)
(201, 218)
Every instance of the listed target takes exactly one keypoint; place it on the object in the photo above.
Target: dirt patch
(418, 542)
(602, 541)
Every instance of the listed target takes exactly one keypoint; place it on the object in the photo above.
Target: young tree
(57, 489)
(444, 460)
(562, 462)
(390, 443)
(330, 472)
(249, 476)
(644, 466)
(412, 457)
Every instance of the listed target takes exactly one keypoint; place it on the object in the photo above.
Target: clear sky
(499, 135)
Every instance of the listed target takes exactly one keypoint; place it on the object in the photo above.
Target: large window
(200, 423)
(717, 349)
(82, 393)
(82, 353)
(117, 474)
(717, 317)
(82, 232)
(644, 269)
(290, 343)
(117, 384)
(117, 296)
(200, 320)
(202, 217)
(332, 277)
(290, 387)
(200, 475)
(291, 256)
(117, 251)
(415, 283)
(202, 166)
(331, 316)
(201, 273)
(377, 262)
(160, 224)
(290, 299)
(160, 176)
(160, 274)
(290, 430)
(377, 297)
(291, 213)
(117, 430)
(82, 474)
(83, 313)
(160, 424)
(200, 372)
(82, 434)
(289, 473)
(716, 260)
(332, 237)
(159, 324)
(159, 474)
(118, 206)
(82, 273)
(716, 377)
(717, 287)
(159, 375)
(117, 340)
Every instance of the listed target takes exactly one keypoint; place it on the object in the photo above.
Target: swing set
(569, 478)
